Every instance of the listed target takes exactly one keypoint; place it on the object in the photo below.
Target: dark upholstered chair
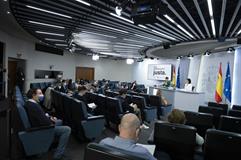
(161, 110)
(35, 140)
(215, 111)
(222, 145)
(218, 105)
(234, 113)
(84, 124)
(231, 124)
(177, 140)
(201, 121)
(95, 151)
(148, 113)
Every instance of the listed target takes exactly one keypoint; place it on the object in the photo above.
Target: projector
(146, 11)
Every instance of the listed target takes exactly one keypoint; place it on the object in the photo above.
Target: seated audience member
(125, 105)
(129, 129)
(133, 86)
(178, 117)
(163, 103)
(188, 85)
(71, 86)
(38, 118)
(62, 87)
(167, 82)
(80, 94)
(163, 99)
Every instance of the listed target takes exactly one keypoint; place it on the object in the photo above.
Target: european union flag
(178, 78)
(227, 85)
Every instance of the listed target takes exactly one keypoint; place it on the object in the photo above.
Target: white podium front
(184, 100)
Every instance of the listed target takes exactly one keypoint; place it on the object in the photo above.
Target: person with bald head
(129, 129)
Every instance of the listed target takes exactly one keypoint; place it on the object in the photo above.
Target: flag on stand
(178, 78)
(174, 77)
(227, 85)
(219, 86)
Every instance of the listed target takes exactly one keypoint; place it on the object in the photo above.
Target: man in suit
(38, 118)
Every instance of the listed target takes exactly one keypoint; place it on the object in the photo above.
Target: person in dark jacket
(38, 118)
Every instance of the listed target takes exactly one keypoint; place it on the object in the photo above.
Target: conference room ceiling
(95, 28)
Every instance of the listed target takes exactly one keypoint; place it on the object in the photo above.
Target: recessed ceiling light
(239, 32)
(163, 35)
(49, 33)
(100, 25)
(61, 44)
(45, 24)
(210, 8)
(5, 0)
(125, 19)
(147, 38)
(140, 25)
(169, 18)
(129, 61)
(47, 11)
(110, 53)
(83, 2)
(98, 34)
(184, 30)
(132, 40)
(8, 12)
(56, 40)
(95, 57)
(134, 45)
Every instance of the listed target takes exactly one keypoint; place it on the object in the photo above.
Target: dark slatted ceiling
(192, 23)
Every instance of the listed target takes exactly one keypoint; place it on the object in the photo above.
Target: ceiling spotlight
(129, 61)
(118, 10)
(95, 57)
(190, 56)
(179, 57)
(230, 50)
(8, 12)
(207, 53)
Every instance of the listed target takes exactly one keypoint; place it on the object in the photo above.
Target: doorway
(85, 73)
(16, 74)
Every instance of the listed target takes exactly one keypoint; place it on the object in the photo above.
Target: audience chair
(234, 113)
(177, 140)
(218, 105)
(35, 140)
(114, 111)
(215, 111)
(201, 121)
(222, 145)
(161, 110)
(148, 113)
(236, 107)
(231, 124)
(84, 124)
(94, 151)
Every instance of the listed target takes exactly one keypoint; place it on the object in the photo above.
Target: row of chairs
(179, 142)
(112, 109)
(41, 85)
(74, 114)
(35, 140)
(217, 112)
(150, 100)
(204, 121)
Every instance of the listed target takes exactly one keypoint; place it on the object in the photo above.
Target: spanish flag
(174, 77)
(219, 86)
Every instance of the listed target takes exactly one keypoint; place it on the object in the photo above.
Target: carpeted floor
(75, 149)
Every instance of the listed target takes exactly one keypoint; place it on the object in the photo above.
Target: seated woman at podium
(188, 85)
